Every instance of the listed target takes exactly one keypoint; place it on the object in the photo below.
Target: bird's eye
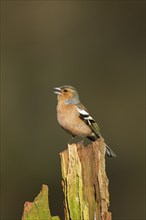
(65, 90)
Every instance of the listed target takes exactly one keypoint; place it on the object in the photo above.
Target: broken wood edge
(39, 208)
(76, 163)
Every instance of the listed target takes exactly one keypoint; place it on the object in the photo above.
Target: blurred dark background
(97, 47)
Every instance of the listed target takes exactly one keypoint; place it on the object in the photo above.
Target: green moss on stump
(39, 209)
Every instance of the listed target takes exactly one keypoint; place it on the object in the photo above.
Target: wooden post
(85, 186)
(85, 183)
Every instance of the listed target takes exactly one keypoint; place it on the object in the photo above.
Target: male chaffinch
(74, 117)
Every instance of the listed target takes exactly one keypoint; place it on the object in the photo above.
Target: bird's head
(67, 94)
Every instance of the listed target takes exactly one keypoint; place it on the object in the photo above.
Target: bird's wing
(84, 115)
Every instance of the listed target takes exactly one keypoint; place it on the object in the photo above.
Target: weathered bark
(85, 186)
(39, 209)
(85, 183)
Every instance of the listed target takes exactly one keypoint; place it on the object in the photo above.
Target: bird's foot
(80, 143)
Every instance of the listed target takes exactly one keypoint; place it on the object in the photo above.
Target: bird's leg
(70, 140)
(80, 143)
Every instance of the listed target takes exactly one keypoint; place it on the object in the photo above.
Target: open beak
(57, 90)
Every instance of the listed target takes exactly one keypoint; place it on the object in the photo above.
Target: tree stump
(85, 186)
(85, 183)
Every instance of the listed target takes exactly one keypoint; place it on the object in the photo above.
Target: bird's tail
(109, 152)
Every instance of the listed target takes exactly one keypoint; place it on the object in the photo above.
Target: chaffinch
(74, 117)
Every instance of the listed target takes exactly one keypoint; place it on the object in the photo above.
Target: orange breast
(68, 118)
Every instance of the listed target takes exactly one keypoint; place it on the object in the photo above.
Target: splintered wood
(85, 183)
